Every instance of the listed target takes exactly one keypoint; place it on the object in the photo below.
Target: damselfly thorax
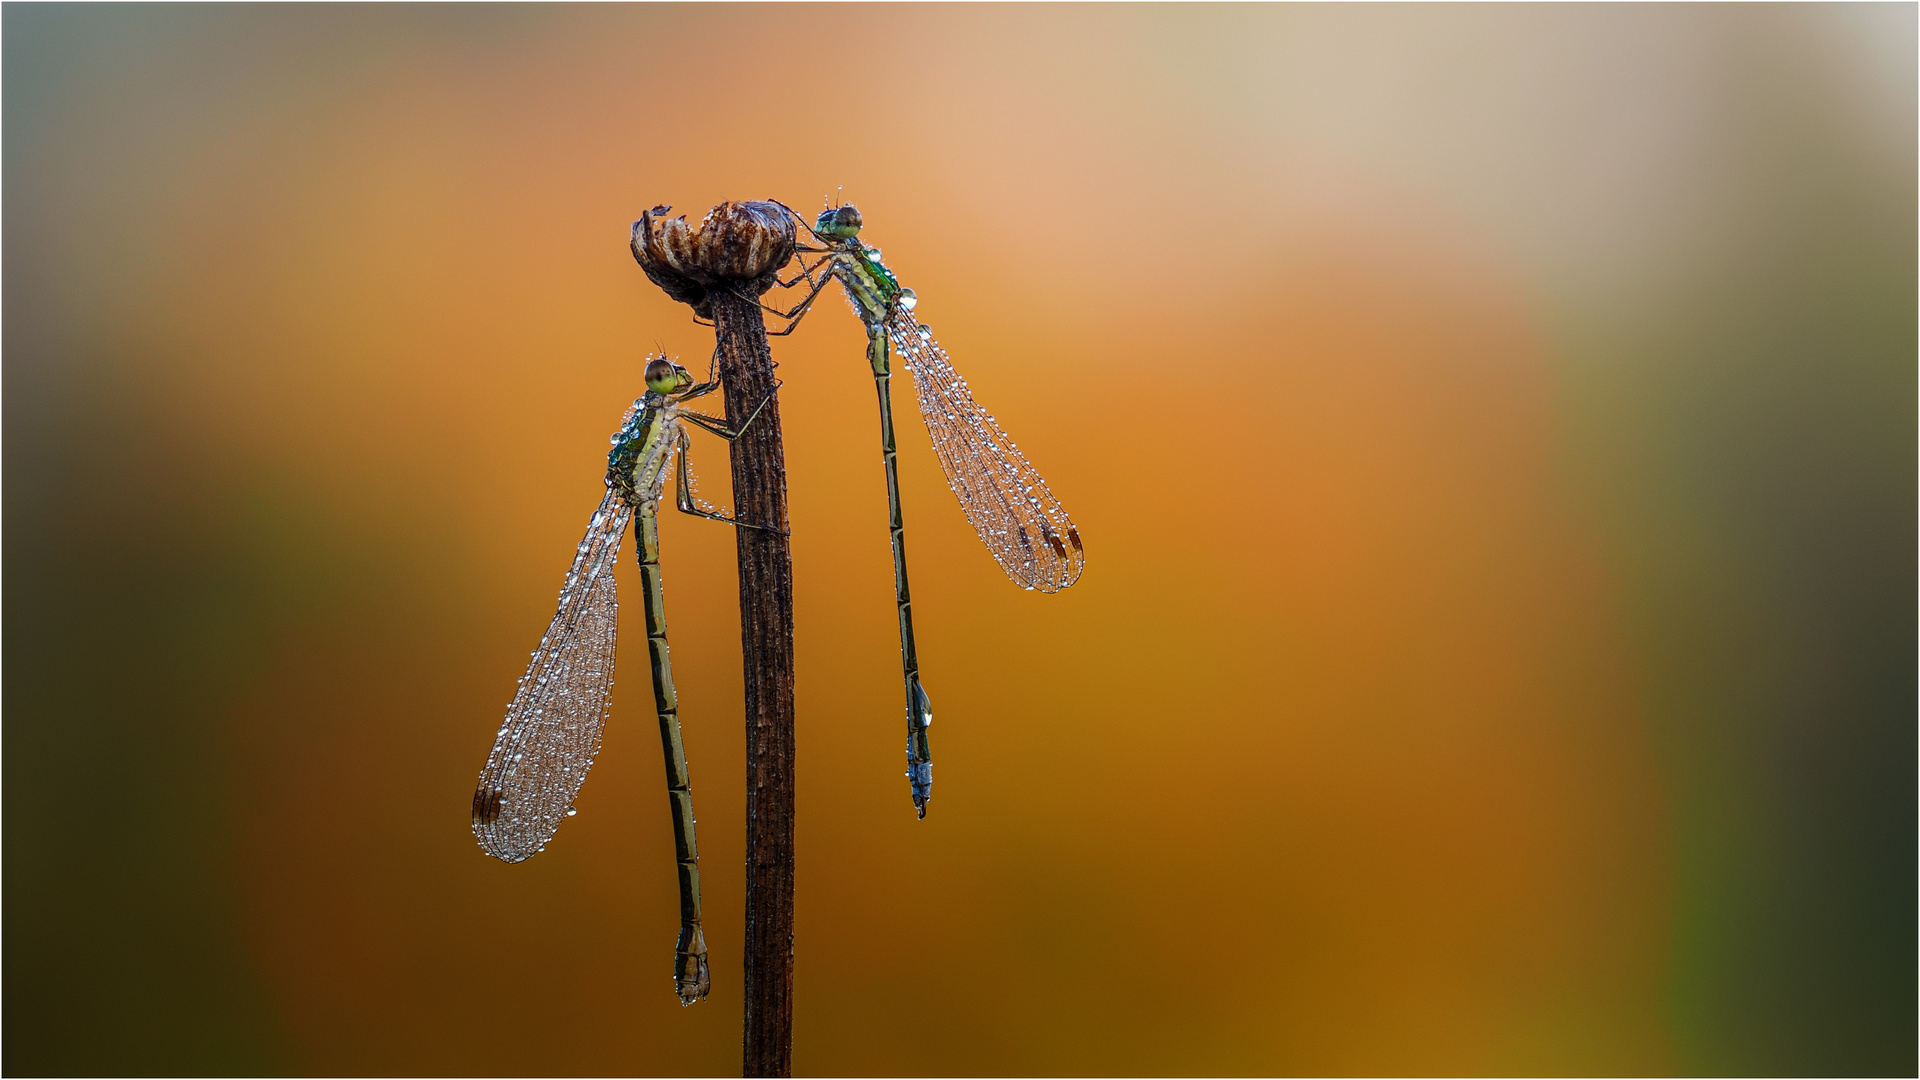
(652, 433)
(646, 441)
(871, 287)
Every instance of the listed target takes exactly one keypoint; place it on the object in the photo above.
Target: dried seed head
(738, 244)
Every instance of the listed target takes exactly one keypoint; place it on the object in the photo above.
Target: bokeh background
(1493, 430)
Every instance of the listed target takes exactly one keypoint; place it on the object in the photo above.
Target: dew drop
(571, 811)
(908, 300)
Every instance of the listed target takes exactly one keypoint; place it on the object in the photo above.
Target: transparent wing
(1004, 498)
(552, 730)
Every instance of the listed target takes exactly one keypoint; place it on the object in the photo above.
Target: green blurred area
(1753, 439)
(138, 609)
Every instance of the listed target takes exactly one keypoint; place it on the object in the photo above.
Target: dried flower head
(737, 245)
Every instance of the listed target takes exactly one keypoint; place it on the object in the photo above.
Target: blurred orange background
(1492, 429)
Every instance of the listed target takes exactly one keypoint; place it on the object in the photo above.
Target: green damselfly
(553, 726)
(1004, 499)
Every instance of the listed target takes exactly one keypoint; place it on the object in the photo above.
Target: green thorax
(635, 465)
(871, 285)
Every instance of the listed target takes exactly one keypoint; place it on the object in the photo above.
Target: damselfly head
(664, 376)
(841, 223)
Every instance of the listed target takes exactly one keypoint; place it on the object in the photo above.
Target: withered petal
(675, 284)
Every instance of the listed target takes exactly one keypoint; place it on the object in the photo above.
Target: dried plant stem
(766, 639)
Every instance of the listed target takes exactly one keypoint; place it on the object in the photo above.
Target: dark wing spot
(1054, 542)
(486, 804)
(1073, 537)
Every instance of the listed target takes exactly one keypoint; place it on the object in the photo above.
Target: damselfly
(1003, 497)
(553, 726)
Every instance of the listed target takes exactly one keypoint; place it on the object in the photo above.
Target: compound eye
(840, 222)
(663, 375)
